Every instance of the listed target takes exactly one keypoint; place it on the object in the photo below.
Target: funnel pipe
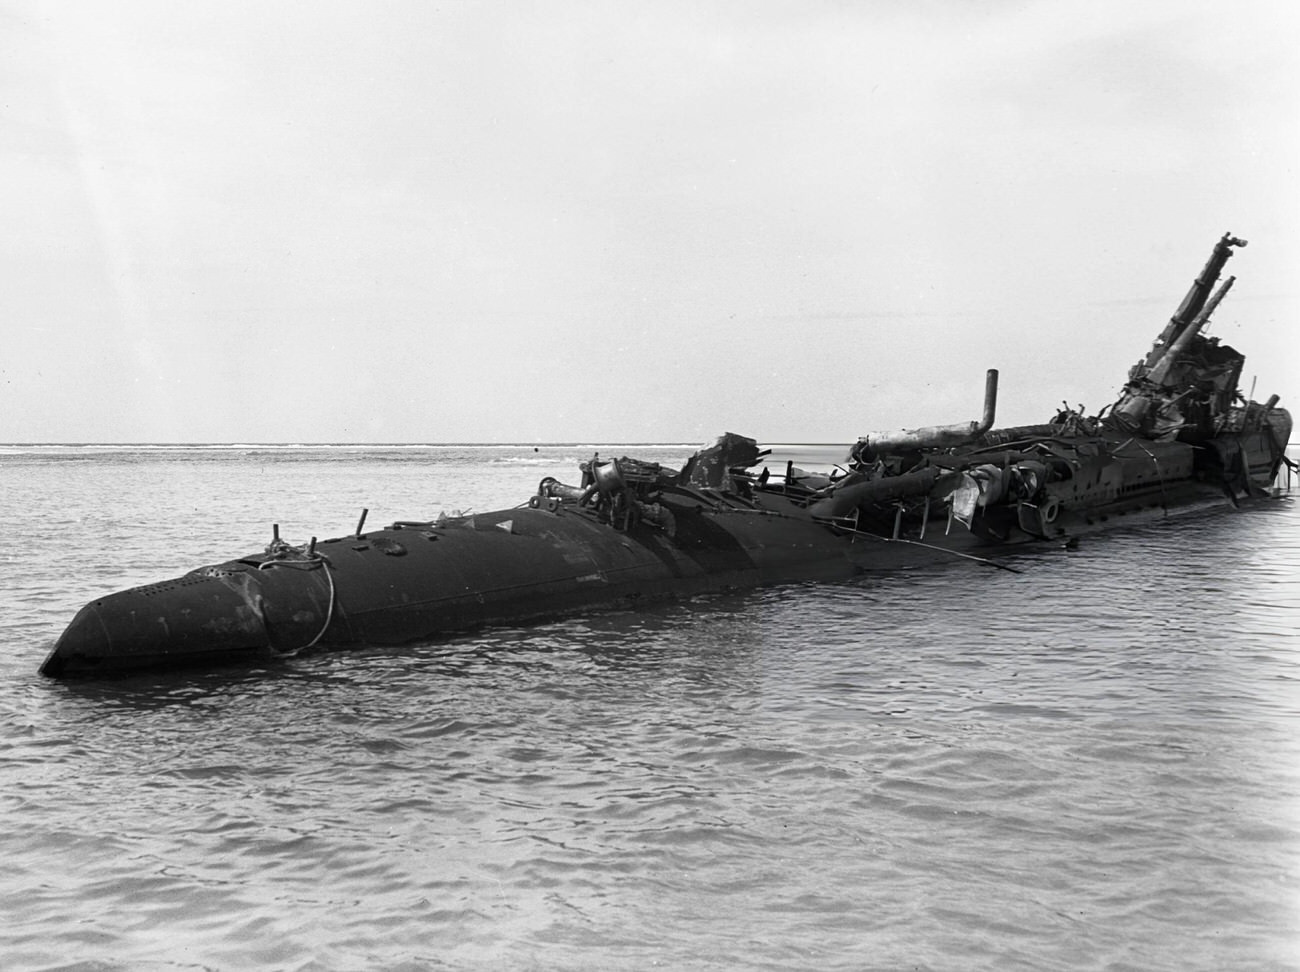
(934, 436)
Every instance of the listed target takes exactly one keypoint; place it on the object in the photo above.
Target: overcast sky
(658, 221)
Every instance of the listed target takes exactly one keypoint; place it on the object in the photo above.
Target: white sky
(626, 221)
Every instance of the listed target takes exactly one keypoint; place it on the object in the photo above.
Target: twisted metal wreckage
(1179, 437)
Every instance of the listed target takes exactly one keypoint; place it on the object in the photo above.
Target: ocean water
(1093, 763)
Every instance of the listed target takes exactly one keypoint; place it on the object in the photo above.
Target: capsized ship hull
(1179, 438)
(416, 580)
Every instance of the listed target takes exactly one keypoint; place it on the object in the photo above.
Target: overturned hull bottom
(415, 581)
(1181, 437)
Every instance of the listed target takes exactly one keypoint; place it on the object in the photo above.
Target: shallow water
(1091, 764)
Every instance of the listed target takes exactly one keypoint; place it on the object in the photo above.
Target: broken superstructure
(1179, 435)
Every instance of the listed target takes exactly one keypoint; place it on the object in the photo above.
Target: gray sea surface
(1092, 764)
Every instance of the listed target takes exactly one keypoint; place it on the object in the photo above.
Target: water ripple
(1092, 764)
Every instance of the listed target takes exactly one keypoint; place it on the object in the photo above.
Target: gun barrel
(1160, 371)
(1194, 302)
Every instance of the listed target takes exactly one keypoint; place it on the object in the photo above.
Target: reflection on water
(1088, 764)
